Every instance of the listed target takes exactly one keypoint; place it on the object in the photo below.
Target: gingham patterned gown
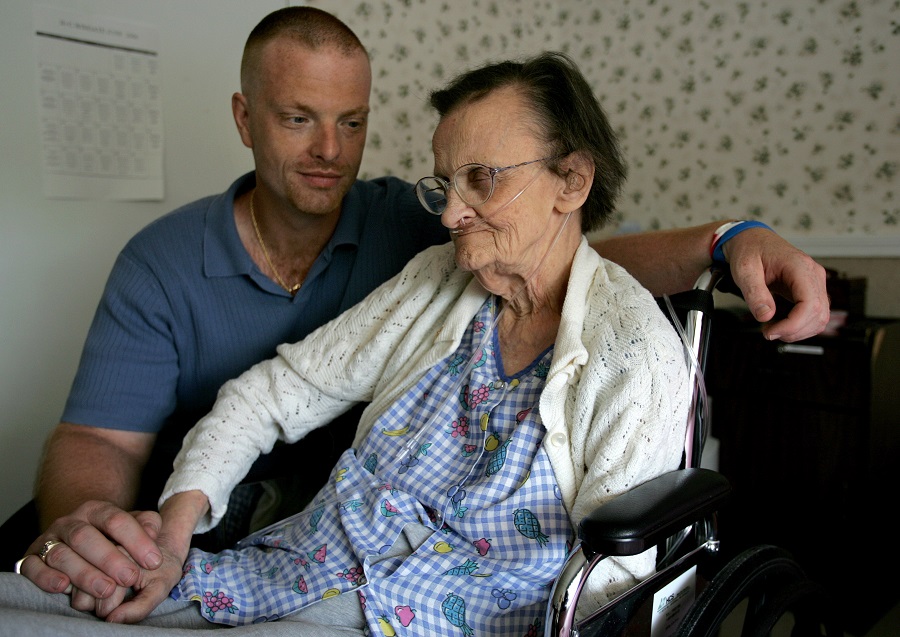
(459, 454)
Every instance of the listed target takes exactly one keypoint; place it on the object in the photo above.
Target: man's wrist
(728, 231)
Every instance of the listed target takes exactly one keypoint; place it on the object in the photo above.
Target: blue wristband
(718, 255)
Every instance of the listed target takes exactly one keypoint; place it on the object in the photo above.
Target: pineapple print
(315, 518)
(467, 568)
(498, 459)
(454, 608)
(527, 524)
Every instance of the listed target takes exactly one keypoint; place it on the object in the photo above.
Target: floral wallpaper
(781, 110)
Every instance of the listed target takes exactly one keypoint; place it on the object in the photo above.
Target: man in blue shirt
(204, 293)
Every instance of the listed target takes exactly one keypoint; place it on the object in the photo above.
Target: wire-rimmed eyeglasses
(474, 183)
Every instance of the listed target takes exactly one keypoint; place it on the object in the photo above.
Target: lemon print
(386, 627)
(514, 383)
(485, 418)
(340, 474)
(525, 479)
(442, 547)
(331, 592)
(491, 443)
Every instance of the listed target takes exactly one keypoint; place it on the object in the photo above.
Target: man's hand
(761, 261)
(180, 515)
(88, 556)
(669, 261)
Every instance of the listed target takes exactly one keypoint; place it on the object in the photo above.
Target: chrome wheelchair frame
(679, 505)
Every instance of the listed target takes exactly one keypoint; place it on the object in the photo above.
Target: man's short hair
(310, 27)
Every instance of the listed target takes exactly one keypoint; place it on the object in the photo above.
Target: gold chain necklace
(292, 289)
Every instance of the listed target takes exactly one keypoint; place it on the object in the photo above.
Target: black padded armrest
(646, 515)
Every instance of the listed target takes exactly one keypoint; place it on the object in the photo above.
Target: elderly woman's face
(507, 234)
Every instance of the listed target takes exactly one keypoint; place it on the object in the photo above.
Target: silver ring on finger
(49, 545)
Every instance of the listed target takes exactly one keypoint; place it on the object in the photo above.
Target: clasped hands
(106, 554)
(116, 564)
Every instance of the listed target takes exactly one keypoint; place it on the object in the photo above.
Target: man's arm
(665, 261)
(84, 463)
(88, 480)
(670, 261)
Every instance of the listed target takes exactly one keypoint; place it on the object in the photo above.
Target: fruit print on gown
(461, 457)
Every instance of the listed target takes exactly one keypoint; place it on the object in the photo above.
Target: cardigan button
(558, 439)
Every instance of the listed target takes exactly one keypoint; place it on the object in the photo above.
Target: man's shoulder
(190, 214)
(391, 203)
(181, 227)
(383, 192)
(187, 222)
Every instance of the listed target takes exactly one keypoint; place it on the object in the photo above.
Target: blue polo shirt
(185, 308)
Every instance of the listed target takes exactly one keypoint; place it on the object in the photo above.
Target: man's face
(305, 116)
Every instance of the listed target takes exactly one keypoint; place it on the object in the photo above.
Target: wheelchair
(691, 592)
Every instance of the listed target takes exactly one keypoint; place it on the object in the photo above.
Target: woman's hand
(152, 587)
(179, 517)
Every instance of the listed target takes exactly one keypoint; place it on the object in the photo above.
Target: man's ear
(578, 176)
(241, 112)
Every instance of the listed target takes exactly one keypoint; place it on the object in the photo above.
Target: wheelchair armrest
(649, 513)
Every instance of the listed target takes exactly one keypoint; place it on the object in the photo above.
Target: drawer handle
(814, 350)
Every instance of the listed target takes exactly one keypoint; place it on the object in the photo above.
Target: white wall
(55, 255)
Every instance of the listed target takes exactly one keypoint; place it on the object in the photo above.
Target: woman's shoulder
(630, 312)
(435, 265)
(620, 289)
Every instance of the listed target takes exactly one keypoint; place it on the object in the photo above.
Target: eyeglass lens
(432, 194)
(474, 184)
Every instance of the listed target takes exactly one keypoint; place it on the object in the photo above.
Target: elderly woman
(515, 379)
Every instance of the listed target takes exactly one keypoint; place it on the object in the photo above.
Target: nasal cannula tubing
(413, 444)
(463, 376)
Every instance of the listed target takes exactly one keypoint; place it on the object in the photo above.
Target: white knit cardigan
(614, 405)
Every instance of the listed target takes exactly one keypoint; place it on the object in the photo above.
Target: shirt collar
(223, 253)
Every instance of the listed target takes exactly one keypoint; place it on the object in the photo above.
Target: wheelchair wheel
(773, 585)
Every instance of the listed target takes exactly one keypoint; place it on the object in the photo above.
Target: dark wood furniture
(810, 440)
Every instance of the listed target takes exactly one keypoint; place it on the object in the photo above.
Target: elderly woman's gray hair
(568, 117)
